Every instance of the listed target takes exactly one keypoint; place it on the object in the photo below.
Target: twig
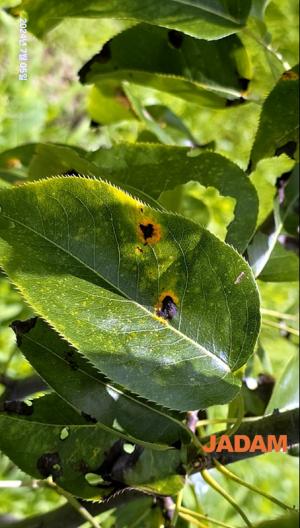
(216, 486)
(73, 502)
(242, 482)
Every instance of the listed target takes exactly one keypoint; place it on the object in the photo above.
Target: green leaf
(290, 520)
(41, 447)
(207, 73)
(278, 129)
(264, 180)
(286, 392)
(81, 385)
(148, 169)
(199, 18)
(282, 266)
(101, 266)
(262, 245)
(156, 168)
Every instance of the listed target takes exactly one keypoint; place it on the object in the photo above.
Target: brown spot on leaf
(138, 250)
(149, 232)
(167, 305)
(49, 464)
(289, 75)
(122, 98)
(22, 327)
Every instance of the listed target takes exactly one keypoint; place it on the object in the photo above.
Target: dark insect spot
(88, 417)
(69, 355)
(142, 210)
(139, 250)
(49, 464)
(289, 148)
(23, 327)
(117, 462)
(147, 230)
(243, 83)
(100, 58)
(235, 102)
(168, 308)
(71, 172)
(18, 407)
(175, 38)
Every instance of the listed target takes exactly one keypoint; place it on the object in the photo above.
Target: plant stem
(279, 315)
(266, 322)
(214, 484)
(242, 482)
(204, 518)
(74, 503)
(177, 507)
(192, 520)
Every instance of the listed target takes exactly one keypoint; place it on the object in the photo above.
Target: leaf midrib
(123, 294)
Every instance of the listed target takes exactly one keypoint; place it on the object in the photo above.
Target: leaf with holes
(207, 73)
(199, 18)
(146, 170)
(85, 459)
(81, 385)
(279, 126)
(139, 292)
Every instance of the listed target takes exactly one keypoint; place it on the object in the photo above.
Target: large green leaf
(138, 291)
(207, 73)
(208, 19)
(279, 124)
(153, 168)
(81, 385)
(50, 438)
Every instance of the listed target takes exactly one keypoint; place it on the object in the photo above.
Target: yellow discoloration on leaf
(13, 163)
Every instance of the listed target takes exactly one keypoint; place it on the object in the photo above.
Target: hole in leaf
(64, 433)
(175, 38)
(71, 172)
(93, 479)
(88, 417)
(22, 327)
(289, 148)
(129, 448)
(244, 83)
(49, 465)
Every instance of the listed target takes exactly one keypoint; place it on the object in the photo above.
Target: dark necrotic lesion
(168, 308)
